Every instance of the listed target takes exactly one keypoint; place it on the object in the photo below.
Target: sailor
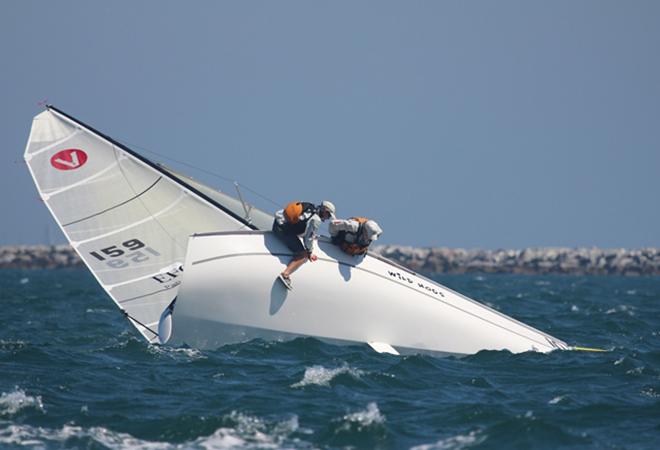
(354, 235)
(296, 219)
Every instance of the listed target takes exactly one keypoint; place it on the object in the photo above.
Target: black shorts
(291, 240)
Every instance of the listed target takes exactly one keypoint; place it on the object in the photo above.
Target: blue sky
(461, 124)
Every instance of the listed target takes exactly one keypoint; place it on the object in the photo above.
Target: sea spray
(16, 400)
(322, 376)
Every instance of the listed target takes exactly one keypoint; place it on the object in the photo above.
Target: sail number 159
(122, 255)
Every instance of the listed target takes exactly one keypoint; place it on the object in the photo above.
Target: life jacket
(359, 245)
(297, 214)
(297, 211)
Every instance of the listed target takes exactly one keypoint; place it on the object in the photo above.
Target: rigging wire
(206, 171)
(128, 316)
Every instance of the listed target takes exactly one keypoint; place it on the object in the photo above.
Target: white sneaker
(286, 281)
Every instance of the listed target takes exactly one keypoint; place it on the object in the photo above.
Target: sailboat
(189, 265)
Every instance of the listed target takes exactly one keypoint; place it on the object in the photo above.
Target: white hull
(230, 294)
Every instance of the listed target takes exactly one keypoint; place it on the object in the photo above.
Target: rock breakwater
(38, 257)
(533, 261)
(575, 261)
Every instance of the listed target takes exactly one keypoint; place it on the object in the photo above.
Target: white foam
(24, 280)
(175, 352)
(26, 435)
(122, 340)
(574, 308)
(12, 345)
(455, 442)
(96, 310)
(249, 433)
(630, 310)
(365, 418)
(556, 400)
(11, 403)
(650, 392)
(322, 376)
(112, 439)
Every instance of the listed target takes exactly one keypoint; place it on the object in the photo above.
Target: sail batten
(50, 195)
(51, 146)
(113, 207)
(132, 225)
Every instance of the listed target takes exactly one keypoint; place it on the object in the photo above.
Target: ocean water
(73, 374)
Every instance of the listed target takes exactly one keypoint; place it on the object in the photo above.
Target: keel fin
(383, 347)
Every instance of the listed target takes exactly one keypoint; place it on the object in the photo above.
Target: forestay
(128, 218)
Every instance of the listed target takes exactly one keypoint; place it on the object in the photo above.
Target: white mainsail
(128, 218)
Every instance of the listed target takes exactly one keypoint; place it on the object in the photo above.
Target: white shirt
(351, 228)
(311, 230)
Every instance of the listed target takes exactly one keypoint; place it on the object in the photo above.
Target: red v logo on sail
(68, 159)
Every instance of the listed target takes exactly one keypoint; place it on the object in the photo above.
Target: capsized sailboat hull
(230, 293)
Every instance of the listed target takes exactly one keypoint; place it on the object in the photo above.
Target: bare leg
(295, 264)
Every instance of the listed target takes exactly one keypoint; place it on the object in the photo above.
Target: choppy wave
(625, 309)
(557, 399)
(322, 376)
(74, 374)
(172, 352)
(13, 402)
(364, 418)
(248, 432)
(12, 345)
(458, 442)
(40, 437)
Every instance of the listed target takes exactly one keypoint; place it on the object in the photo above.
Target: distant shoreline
(530, 261)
